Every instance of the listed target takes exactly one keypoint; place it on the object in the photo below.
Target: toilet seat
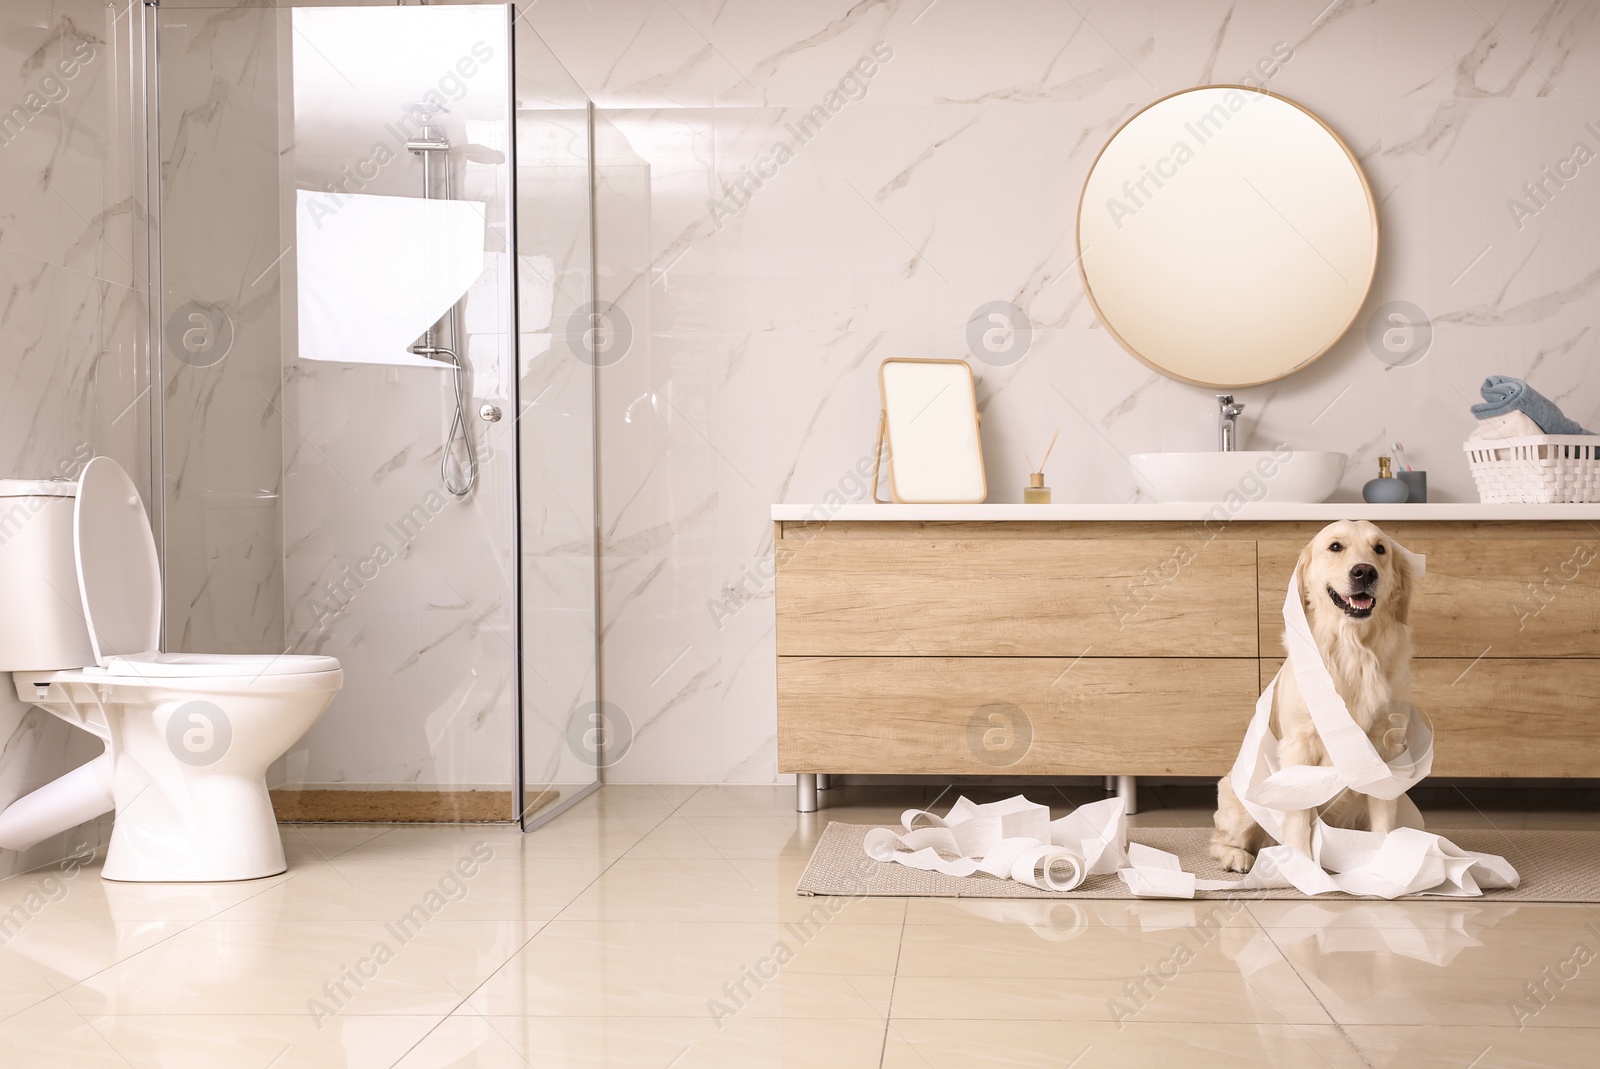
(207, 665)
(165, 668)
(226, 678)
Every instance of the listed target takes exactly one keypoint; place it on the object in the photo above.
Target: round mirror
(1226, 236)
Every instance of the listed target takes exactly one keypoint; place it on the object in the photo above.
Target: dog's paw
(1232, 858)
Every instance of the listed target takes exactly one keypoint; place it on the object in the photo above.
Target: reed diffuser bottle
(1036, 492)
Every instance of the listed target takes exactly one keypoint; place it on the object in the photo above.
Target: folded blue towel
(1502, 394)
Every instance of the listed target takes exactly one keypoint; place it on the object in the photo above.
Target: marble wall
(949, 178)
(71, 310)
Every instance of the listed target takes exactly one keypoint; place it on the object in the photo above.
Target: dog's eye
(1378, 549)
(1336, 547)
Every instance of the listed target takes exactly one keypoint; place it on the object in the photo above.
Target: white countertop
(1252, 510)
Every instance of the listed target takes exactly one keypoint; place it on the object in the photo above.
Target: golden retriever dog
(1356, 590)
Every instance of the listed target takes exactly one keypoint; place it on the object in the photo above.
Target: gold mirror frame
(1371, 271)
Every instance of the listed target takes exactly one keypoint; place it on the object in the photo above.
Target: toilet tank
(41, 608)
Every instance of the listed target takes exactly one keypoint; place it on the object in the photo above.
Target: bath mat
(1556, 866)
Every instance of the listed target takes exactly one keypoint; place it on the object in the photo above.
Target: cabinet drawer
(1017, 597)
(1499, 717)
(1013, 716)
(1527, 597)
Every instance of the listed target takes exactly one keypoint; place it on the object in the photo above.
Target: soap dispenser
(1385, 489)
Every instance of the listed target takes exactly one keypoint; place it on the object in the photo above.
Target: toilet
(188, 736)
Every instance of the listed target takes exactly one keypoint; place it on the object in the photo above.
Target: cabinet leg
(1128, 791)
(1111, 783)
(805, 792)
(824, 781)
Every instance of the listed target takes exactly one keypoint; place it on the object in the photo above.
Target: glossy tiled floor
(658, 927)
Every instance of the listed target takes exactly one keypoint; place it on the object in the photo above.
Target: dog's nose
(1363, 573)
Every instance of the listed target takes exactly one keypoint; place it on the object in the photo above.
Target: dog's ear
(1303, 569)
(1405, 584)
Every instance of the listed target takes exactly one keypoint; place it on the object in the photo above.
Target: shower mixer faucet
(427, 142)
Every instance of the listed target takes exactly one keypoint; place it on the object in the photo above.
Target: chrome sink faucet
(1228, 422)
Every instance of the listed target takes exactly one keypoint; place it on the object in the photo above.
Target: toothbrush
(1399, 456)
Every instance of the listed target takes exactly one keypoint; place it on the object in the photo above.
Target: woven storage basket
(1537, 469)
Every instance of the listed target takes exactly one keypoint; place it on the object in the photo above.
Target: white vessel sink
(1283, 475)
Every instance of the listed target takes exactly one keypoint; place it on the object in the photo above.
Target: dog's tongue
(1361, 601)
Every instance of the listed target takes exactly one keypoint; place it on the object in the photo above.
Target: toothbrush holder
(1416, 482)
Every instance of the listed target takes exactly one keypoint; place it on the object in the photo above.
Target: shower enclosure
(372, 252)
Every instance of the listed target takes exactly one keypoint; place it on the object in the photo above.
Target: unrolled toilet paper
(1016, 838)
(1012, 839)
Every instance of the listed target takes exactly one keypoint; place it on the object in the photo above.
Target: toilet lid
(119, 573)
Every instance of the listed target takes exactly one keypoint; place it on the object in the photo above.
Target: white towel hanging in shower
(375, 272)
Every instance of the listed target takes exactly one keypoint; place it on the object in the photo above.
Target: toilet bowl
(188, 737)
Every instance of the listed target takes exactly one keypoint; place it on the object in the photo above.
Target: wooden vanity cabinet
(1139, 648)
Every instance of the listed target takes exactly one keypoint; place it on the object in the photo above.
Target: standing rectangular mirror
(930, 423)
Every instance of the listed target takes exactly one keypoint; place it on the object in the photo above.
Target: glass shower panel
(566, 734)
(334, 180)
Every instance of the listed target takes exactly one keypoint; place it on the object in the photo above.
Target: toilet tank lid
(38, 487)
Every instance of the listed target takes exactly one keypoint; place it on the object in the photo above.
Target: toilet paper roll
(1049, 868)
